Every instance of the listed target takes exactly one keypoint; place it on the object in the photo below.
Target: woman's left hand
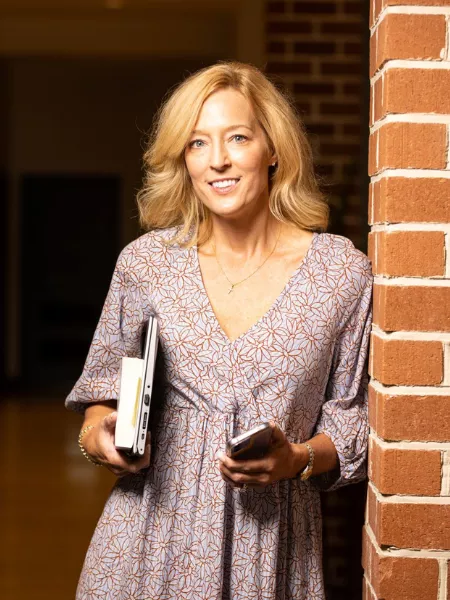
(283, 461)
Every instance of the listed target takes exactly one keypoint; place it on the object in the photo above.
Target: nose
(220, 158)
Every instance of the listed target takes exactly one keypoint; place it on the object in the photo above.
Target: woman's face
(228, 157)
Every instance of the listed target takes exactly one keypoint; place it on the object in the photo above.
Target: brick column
(407, 531)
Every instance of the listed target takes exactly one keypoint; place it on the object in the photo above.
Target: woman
(262, 318)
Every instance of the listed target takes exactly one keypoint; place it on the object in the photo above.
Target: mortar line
(410, 64)
(407, 552)
(417, 226)
(412, 281)
(409, 445)
(408, 499)
(418, 118)
(445, 482)
(406, 390)
(412, 174)
(447, 254)
(442, 582)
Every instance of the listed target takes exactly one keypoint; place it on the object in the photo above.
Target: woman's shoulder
(151, 248)
(339, 256)
(341, 250)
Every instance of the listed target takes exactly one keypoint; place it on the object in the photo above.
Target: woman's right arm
(98, 441)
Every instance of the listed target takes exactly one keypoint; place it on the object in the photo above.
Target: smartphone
(252, 444)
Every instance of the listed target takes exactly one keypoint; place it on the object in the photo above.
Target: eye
(239, 138)
(196, 144)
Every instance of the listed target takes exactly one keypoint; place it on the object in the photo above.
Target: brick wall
(407, 534)
(317, 50)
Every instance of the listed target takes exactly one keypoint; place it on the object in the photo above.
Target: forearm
(325, 455)
(96, 412)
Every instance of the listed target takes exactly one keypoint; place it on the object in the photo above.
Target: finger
(244, 479)
(119, 460)
(254, 466)
(108, 423)
(231, 482)
(144, 461)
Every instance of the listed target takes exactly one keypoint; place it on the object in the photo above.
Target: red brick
(276, 7)
(318, 88)
(420, 37)
(406, 362)
(341, 68)
(339, 148)
(314, 48)
(408, 253)
(342, 28)
(416, 91)
(289, 67)
(352, 88)
(411, 145)
(392, 576)
(376, 92)
(415, 2)
(409, 525)
(354, 8)
(415, 418)
(276, 47)
(411, 308)
(289, 27)
(410, 200)
(381, 4)
(321, 8)
(353, 129)
(353, 48)
(412, 472)
(338, 108)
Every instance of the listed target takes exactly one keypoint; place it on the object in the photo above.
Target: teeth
(225, 183)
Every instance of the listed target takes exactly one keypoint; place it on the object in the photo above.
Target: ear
(273, 160)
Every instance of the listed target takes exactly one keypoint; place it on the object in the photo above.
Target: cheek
(194, 167)
(252, 162)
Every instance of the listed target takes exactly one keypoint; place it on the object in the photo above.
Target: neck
(245, 238)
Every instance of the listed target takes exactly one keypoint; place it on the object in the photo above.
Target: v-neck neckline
(296, 273)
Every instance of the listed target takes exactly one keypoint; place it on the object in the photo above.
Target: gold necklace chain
(233, 285)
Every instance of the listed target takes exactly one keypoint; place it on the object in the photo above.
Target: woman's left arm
(340, 443)
(284, 461)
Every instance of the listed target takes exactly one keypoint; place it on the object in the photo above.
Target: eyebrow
(199, 132)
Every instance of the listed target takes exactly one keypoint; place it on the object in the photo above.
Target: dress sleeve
(344, 416)
(118, 334)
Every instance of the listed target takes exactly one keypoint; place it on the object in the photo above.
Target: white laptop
(136, 384)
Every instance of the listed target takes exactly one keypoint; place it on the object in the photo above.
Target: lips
(223, 186)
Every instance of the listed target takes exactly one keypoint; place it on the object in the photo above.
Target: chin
(227, 211)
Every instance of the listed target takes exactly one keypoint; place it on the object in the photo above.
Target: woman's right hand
(98, 443)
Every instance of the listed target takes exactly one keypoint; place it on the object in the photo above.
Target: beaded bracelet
(80, 444)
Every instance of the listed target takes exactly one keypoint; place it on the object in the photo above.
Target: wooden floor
(50, 500)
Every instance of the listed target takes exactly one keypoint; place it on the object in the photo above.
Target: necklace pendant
(231, 289)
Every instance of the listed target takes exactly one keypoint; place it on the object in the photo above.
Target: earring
(274, 164)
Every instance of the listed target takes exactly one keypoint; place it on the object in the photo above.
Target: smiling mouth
(224, 186)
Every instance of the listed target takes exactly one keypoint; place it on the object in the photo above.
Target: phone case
(252, 444)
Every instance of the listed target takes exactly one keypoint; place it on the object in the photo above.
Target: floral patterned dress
(177, 530)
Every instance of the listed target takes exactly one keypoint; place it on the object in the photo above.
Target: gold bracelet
(82, 448)
(307, 471)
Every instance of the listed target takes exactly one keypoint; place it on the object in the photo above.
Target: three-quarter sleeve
(117, 334)
(343, 416)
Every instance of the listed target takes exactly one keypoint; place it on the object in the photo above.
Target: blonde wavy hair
(167, 198)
